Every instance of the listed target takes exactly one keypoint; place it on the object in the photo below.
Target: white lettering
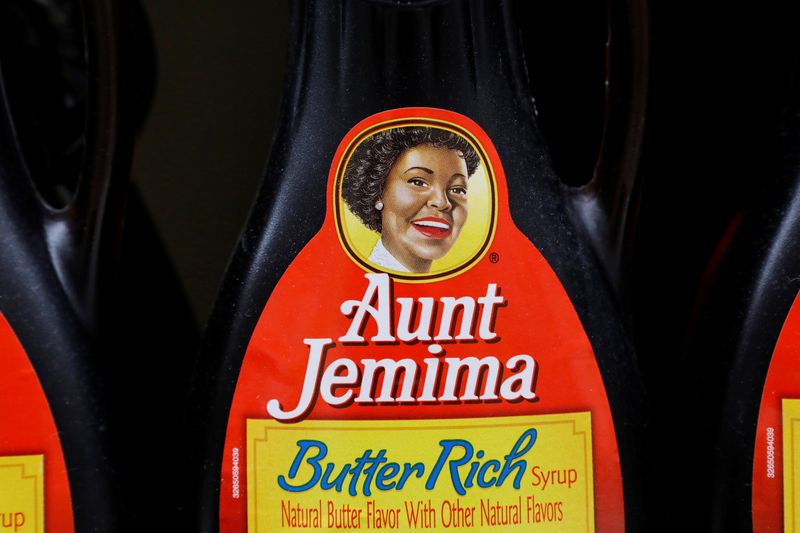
(488, 303)
(407, 308)
(446, 325)
(382, 314)
(412, 379)
(474, 367)
(522, 384)
(309, 384)
(390, 370)
(332, 379)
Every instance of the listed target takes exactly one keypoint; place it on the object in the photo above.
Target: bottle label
(22, 489)
(776, 459)
(34, 489)
(419, 365)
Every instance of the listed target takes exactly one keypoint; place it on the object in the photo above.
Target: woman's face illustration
(425, 205)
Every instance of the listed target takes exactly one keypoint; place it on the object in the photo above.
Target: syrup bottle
(747, 338)
(63, 158)
(415, 331)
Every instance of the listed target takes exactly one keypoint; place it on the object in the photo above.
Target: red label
(33, 476)
(419, 365)
(775, 469)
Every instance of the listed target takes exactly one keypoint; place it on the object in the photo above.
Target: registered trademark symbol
(494, 257)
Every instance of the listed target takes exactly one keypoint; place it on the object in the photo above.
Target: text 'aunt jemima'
(405, 380)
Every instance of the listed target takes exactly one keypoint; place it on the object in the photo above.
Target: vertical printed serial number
(235, 474)
(771, 453)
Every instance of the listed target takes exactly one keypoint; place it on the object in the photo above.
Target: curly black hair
(372, 160)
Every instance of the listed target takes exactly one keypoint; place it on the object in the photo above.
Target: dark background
(219, 73)
(718, 78)
(719, 75)
(200, 155)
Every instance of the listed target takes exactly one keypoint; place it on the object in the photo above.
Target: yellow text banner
(489, 474)
(22, 494)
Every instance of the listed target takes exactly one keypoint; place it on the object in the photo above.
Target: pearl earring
(379, 205)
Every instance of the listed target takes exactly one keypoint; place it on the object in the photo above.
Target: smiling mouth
(435, 228)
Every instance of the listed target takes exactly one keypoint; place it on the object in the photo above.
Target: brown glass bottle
(363, 76)
(744, 343)
(63, 163)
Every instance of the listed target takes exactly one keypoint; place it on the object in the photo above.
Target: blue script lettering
(477, 471)
(371, 469)
(305, 445)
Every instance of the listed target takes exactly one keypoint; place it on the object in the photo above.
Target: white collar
(381, 257)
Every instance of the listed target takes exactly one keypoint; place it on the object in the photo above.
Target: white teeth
(432, 224)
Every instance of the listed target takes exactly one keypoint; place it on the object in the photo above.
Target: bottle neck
(356, 57)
